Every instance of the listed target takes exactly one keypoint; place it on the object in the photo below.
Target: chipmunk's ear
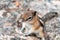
(34, 13)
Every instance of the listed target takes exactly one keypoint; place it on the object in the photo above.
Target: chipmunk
(32, 23)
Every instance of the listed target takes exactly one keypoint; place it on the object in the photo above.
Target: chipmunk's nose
(23, 30)
(23, 27)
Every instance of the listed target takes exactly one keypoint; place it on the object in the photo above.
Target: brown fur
(35, 22)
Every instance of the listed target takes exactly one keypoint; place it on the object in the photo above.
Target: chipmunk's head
(28, 16)
(29, 21)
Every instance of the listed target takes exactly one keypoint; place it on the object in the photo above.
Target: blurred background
(11, 9)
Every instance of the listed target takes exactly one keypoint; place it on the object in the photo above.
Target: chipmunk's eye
(29, 18)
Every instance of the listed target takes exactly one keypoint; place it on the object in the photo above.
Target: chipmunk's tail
(49, 16)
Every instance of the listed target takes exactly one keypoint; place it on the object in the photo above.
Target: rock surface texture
(11, 9)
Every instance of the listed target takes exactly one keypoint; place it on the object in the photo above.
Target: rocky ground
(11, 9)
